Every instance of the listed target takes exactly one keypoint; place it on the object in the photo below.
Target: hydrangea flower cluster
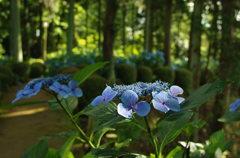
(142, 89)
(60, 84)
(164, 99)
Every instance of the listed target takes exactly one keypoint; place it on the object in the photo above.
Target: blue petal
(78, 92)
(66, 88)
(175, 90)
(235, 103)
(129, 97)
(72, 84)
(159, 106)
(97, 100)
(55, 89)
(37, 86)
(142, 108)
(16, 99)
(180, 99)
(26, 92)
(63, 94)
(173, 104)
(57, 84)
(19, 93)
(162, 97)
(106, 91)
(124, 111)
(35, 92)
(111, 96)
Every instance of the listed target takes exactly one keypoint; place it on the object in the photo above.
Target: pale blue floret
(107, 95)
(130, 98)
(164, 102)
(73, 91)
(235, 105)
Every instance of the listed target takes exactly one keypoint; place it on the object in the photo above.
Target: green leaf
(70, 103)
(169, 130)
(109, 153)
(122, 144)
(174, 151)
(88, 155)
(191, 126)
(98, 136)
(62, 134)
(203, 94)
(64, 151)
(230, 116)
(216, 140)
(226, 145)
(107, 114)
(38, 150)
(22, 104)
(87, 71)
(52, 153)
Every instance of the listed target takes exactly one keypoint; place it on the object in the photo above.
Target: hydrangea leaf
(230, 116)
(65, 150)
(38, 150)
(83, 74)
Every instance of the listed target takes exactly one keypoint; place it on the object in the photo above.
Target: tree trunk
(86, 25)
(99, 24)
(147, 25)
(226, 62)
(109, 34)
(26, 48)
(15, 33)
(167, 41)
(133, 25)
(124, 11)
(70, 30)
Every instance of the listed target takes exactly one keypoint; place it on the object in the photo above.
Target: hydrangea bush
(136, 99)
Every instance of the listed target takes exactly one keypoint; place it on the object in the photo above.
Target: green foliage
(93, 86)
(52, 153)
(37, 70)
(207, 76)
(144, 74)
(38, 150)
(107, 114)
(67, 70)
(230, 116)
(99, 134)
(22, 70)
(165, 74)
(127, 73)
(191, 126)
(65, 150)
(183, 78)
(6, 77)
(81, 66)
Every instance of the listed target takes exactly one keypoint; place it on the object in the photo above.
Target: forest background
(200, 36)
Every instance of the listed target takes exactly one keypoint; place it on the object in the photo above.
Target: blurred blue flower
(27, 92)
(107, 95)
(164, 102)
(130, 98)
(73, 91)
(59, 88)
(235, 105)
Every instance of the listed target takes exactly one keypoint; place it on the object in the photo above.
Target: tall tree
(87, 6)
(124, 11)
(15, 33)
(109, 34)
(226, 61)
(70, 30)
(26, 51)
(99, 24)
(133, 25)
(167, 30)
(148, 25)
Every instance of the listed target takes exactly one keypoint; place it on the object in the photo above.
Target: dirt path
(20, 127)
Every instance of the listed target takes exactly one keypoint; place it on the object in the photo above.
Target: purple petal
(175, 90)
(111, 96)
(142, 108)
(162, 97)
(173, 104)
(180, 99)
(97, 100)
(78, 92)
(72, 84)
(124, 111)
(37, 86)
(55, 89)
(63, 94)
(129, 97)
(106, 92)
(159, 106)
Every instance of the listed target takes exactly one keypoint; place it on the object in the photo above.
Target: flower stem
(75, 124)
(152, 138)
